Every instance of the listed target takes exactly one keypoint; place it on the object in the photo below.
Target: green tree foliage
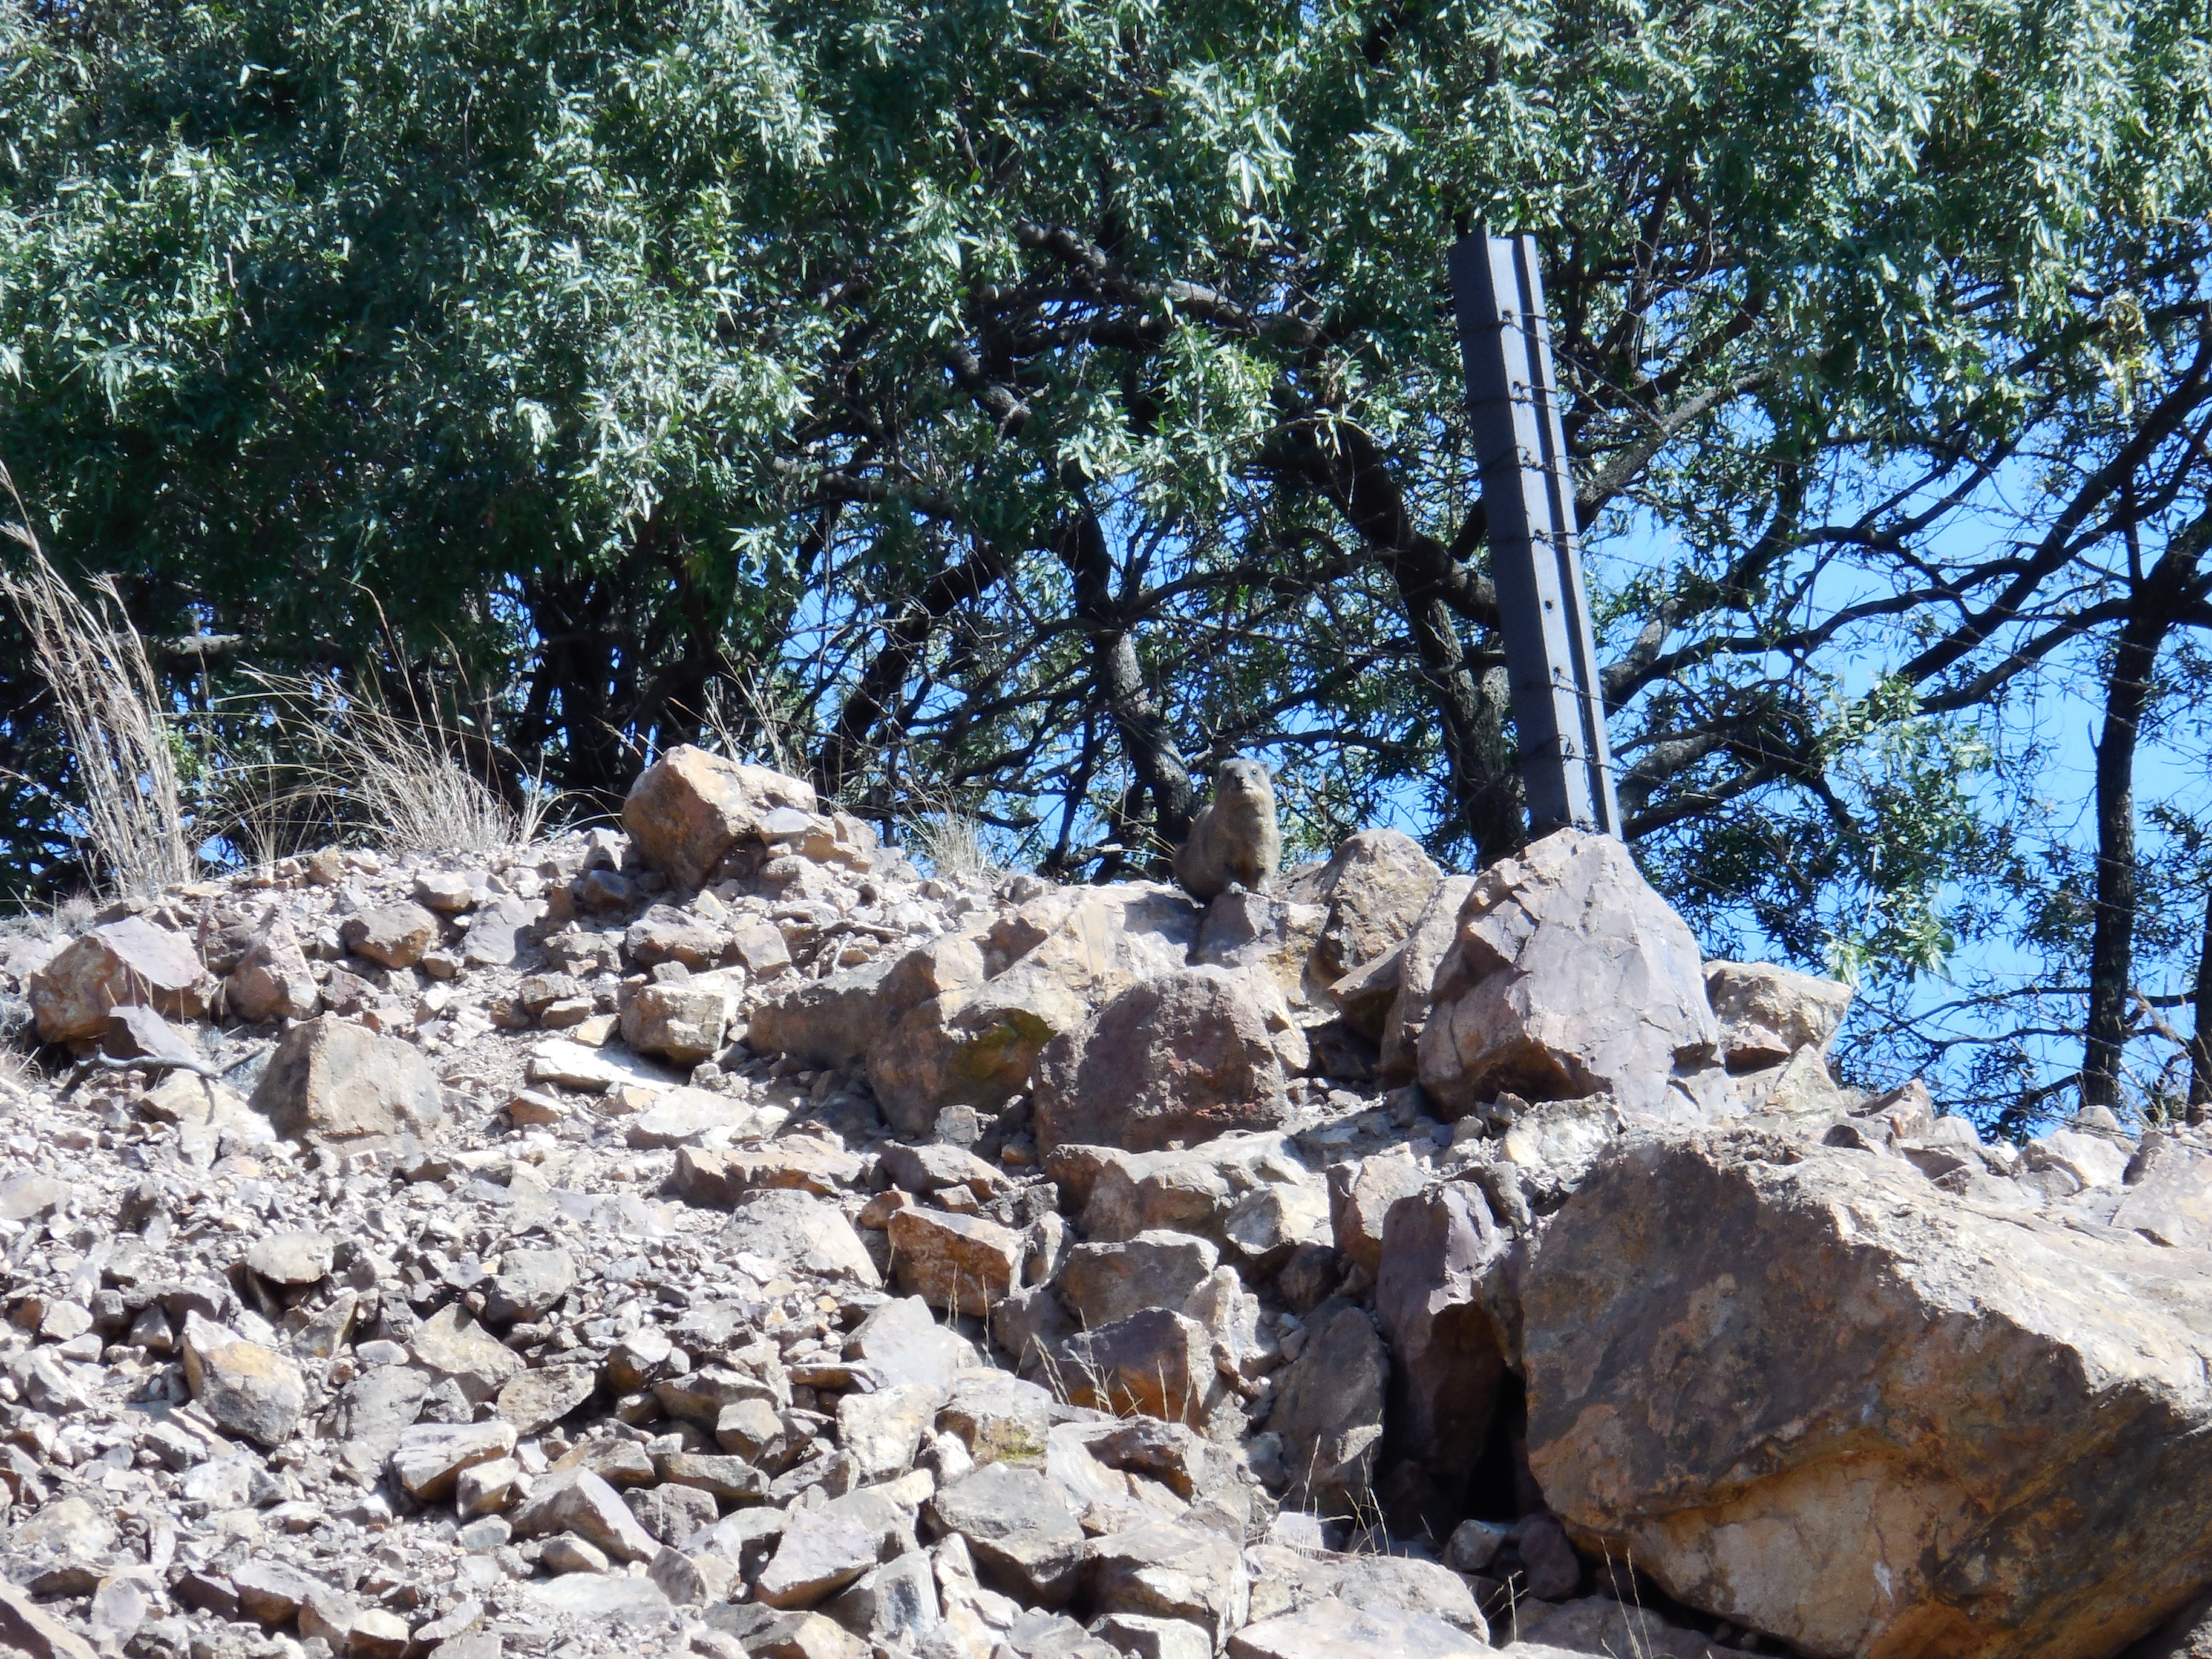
(1025, 402)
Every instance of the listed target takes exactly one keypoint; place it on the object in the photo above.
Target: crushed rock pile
(715, 1237)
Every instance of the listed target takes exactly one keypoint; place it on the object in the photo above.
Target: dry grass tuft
(345, 765)
(130, 814)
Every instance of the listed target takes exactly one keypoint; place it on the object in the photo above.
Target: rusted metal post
(1528, 496)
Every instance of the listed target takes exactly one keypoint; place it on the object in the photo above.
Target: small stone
(566, 1552)
(747, 1428)
(273, 981)
(452, 1345)
(819, 1554)
(529, 1284)
(535, 1401)
(447, 892)
(578, 1501)
(962, 1262)
(487, 1488)
(392, 936)
(294, 1259)
(685, 1023)
(377, 1634)
(1474, 1546)
(727, 1480)
(882, 1431)
(245, 1388)
(430, 1457)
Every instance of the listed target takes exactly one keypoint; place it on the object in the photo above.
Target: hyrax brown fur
(1234, 842)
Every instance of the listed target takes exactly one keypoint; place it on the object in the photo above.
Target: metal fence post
(1528, 496)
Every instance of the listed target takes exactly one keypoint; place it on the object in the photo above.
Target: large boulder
(1097, 941)
(1816, 1396)
(332, 1080)
(1264, 934)
(1184, 1057)
(117, 964)
(1376, 886)
(972, 1046)
(1570, 977)
(830, 1021)
(689, 808)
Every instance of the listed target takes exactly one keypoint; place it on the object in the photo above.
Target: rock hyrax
(1234, 841)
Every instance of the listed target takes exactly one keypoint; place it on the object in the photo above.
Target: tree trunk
(1118, 680)
(1483, 783)
(2200, 1047)
(2111, 940)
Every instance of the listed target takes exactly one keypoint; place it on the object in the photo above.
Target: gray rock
(1330, 1629)
(1376, 886)
(430, 1457)
(1360, 1198)
(452, 1345)
(1102, 1283)
(818, 1555)
(578, 1501)
(381, 1402)
(893, 1605)
(530, 1282)
(880, 1431)
(1329, 1409)
(534, 1401)
(997, 1416)
(1444, 1297)
(292, 1259)
(903, 1341)
(1024, 1538)
(807, 1232)
(332, 1080)
(1570, 977)
(1170, 1571)
(1767, 1014)
(1184, 1057)
(247, 1388)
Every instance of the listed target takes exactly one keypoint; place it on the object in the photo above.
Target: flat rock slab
(1817, 1396)
(1330, 1629)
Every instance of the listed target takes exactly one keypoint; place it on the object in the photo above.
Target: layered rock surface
(1814, 1396)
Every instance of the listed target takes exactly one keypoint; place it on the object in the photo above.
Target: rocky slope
(714, 1238)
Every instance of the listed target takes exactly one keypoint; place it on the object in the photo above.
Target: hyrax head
(1242, 777)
